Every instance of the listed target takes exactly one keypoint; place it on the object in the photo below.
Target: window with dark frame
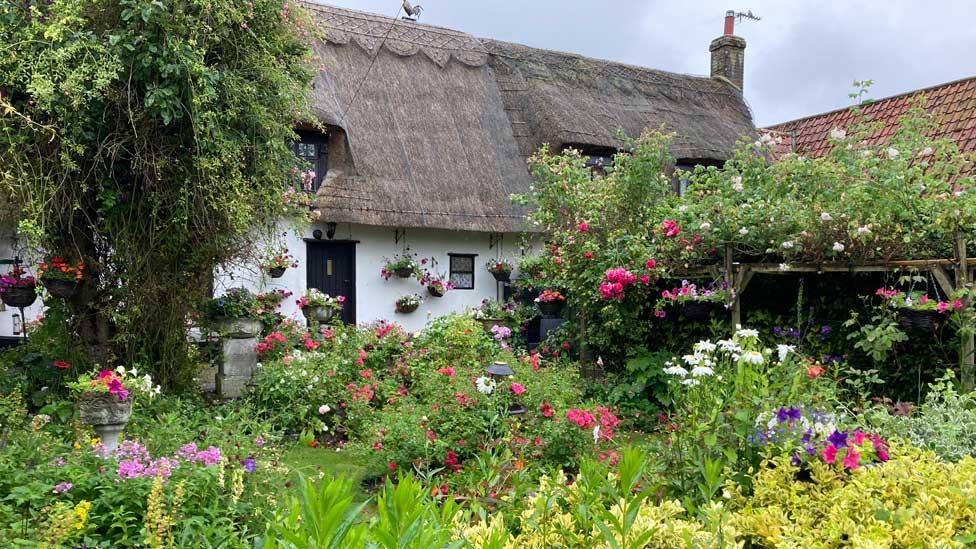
(313, 147)
(462, 271)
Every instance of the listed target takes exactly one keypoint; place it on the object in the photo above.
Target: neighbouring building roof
(439, 123)
(952, 106)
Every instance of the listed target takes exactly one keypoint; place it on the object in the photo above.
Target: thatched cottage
(428, 132)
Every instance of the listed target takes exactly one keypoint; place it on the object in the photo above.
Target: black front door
(331, 267)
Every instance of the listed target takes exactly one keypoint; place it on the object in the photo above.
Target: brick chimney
(728, 53)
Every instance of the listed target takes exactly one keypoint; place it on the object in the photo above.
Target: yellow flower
(81, 511)
(77, 446)
(95, 441)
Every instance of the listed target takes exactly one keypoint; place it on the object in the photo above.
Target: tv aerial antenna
(739, 16)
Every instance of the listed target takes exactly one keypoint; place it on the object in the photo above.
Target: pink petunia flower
(852, 458)
(830, 454)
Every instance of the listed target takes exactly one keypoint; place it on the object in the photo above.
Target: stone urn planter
(107, 414)
(19, 297)
(276, 272)
(61, 288)
(239, 328)
(318, 314)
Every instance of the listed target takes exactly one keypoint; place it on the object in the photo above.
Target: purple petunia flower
(793, 414)
(795, 460)
(250, 465)
(782, 415)
(838, 439)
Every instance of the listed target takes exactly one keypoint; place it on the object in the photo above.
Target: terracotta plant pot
(61, 288)
(698, 311)
(913, 320)
(107, 414)
(551, 308)
(239, 328)
(19, 297)
(318, 314)
(276, 272)
(404, 272)
(406, 309)
(436, 291)
(503, 276)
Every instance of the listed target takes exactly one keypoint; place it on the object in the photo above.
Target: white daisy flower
(784, 351)
(699, 371)
(691, 382)
(753, 357)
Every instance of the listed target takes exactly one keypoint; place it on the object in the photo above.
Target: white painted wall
(376, 296)
(7, 313)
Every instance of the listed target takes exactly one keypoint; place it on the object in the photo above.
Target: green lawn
(311, 461)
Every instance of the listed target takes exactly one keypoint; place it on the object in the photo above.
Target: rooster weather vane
(413, 12)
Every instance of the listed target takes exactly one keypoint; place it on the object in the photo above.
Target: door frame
(325, 244)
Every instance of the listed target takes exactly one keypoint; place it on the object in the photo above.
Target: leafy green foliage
(149, 139)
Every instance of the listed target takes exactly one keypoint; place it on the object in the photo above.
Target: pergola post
(967, 362)
(730, 280)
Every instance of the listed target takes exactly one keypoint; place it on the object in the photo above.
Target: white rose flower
(324, 409)
(787, 245)
(838, 247)
(743, 231)
(826, 217)
(864, 230)
(892, 152)
(838, 134)
(705, 226)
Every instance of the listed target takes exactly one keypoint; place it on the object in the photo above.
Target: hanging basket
(551, 308)
(19, 297)
(436, 290)
(404, 272)
(61, 288)
(406, 309)
(919, 321)
(698, 311)
(502, 276)
(318, 314)
(276, 272)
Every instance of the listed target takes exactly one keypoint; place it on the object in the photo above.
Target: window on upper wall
(598, 158)
(462, 271)
(313, 148)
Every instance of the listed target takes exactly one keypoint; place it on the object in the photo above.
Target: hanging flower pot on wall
(276, 272)
(19, 297)
(407, 304)
(915, 320)
(61, 288)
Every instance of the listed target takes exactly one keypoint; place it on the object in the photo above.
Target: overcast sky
(801, 58)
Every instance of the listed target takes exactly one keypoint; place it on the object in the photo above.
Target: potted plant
(492, 313)
(18, 289)
(403, 266)
(551, 303)
(60, 277)
(436, 285)
(500, 269)
(319, 307)
(408, 303)
(234, 314)
(105, 400)
(917, 311)
(697, 303)
(277, 261)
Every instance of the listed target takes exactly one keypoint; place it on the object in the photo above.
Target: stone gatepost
(238, 360)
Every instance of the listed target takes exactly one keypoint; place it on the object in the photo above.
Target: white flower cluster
(485, 385)
(709, 357)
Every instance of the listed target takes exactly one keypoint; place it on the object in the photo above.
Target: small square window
(462, 271)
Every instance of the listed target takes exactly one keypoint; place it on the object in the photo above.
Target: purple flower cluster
(63, 487)
(134, 460)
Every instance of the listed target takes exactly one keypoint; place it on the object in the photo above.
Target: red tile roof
(953, 106)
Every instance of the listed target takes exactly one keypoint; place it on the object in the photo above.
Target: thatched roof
(439, 123)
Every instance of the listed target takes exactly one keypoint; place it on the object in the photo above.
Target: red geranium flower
(62, 364)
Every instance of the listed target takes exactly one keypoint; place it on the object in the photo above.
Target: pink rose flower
(518, 389)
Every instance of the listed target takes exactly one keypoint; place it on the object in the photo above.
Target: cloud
(800, 60)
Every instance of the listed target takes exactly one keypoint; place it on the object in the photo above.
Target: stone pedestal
(238, 362)
(547, 325)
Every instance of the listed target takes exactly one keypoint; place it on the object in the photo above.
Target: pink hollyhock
(517, 388)
(583, 227)
(830, 454)
(449, 372)
(852, 458)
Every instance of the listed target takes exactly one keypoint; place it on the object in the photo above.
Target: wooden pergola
(738, 276)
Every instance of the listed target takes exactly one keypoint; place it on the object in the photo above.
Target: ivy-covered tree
(148, 139)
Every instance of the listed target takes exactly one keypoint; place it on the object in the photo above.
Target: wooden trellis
(738, 276)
